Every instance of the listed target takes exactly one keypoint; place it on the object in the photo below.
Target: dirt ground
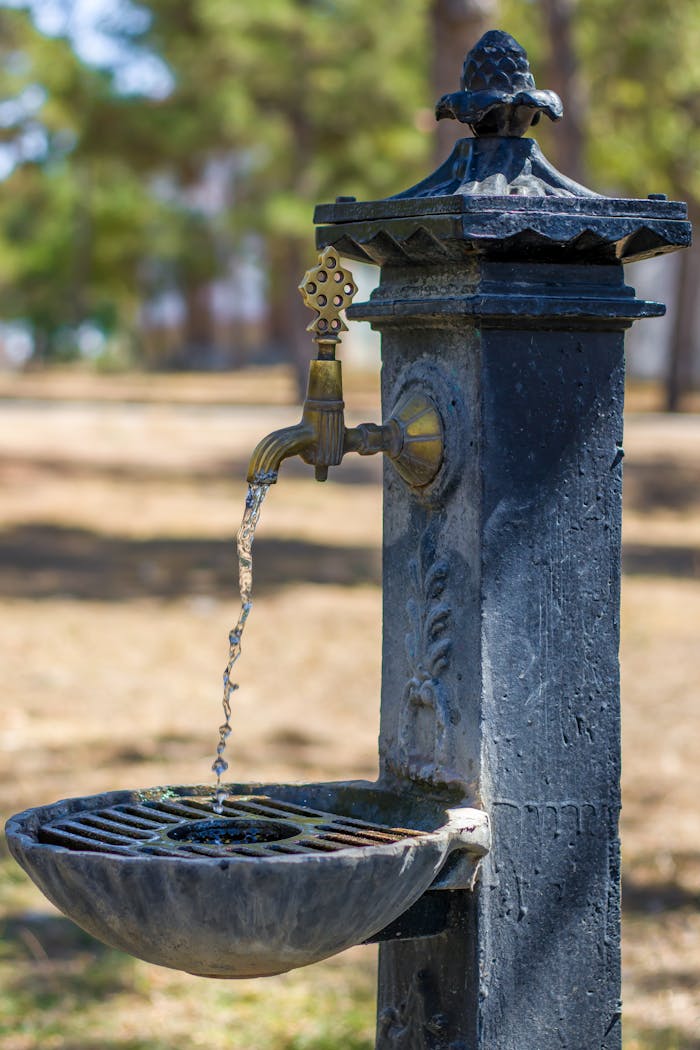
(117, 590)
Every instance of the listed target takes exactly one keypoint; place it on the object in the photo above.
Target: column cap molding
(434, 230)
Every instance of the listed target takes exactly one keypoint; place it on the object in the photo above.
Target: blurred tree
(645, 120)
(269, 84)
(76, 218)
(109, 202)
(562, 74)
(456, 25)
(284, 85)
(636, 99)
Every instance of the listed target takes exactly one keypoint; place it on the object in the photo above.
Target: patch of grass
(116, 1003)
(62, 990)
(16, 890)
(331, 1041)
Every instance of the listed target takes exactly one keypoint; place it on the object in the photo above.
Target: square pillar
(501, 600)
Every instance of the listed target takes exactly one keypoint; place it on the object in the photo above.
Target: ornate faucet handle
(327, 289)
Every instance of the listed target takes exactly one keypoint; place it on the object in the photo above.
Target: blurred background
(159, 164)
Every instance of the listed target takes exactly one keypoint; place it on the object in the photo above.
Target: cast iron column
(502, 293)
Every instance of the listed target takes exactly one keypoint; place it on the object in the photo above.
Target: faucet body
(412, 437)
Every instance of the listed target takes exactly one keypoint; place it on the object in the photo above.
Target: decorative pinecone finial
(498, 95)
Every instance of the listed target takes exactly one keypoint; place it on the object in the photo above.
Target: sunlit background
(159, 165)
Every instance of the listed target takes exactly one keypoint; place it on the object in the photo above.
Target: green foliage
(644, 89)
(312, 98)
(74, 222)
(639, 67)
(305, 100)
(317, 98)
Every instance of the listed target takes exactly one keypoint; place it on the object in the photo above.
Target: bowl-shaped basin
(239, 902)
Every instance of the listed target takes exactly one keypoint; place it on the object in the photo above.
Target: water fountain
(502, 307)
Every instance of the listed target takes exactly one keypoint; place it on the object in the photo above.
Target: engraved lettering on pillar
(548, 865)
(417, 1023)
(426, 709)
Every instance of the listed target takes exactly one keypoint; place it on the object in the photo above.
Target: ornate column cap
(497, 193)
(402, 230)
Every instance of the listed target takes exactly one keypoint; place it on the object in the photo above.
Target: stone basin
(286, 876)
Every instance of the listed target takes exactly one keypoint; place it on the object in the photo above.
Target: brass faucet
(412, 437)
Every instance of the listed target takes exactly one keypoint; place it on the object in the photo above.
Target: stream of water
(244, 546)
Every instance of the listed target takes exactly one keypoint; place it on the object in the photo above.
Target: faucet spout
(318, 438)
(269, 453)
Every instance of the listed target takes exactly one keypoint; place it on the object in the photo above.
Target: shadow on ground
(662, 484)
(50, 963)
(653, 898)
(46, 938)
(659, 484)
(661, 560)
(355, 470)
(53, 763)
(45, 561)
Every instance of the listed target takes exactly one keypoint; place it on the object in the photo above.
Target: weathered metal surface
(429, 916)
(327, 289)
(498, 96)
(453, 227)
(329, 865)
(183, 826)
(502, 287)
(412, 437)
(517, 688)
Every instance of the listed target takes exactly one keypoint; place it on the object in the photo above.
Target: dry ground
(117, 591)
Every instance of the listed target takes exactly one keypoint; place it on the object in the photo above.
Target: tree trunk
(76, 307)
(562, 75)
(455, 27)
(198, 328)
(679, 379)
(288, 317)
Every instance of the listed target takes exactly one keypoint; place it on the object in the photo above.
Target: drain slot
(233, 831)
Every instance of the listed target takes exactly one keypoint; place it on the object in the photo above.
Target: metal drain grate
(187, 827)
